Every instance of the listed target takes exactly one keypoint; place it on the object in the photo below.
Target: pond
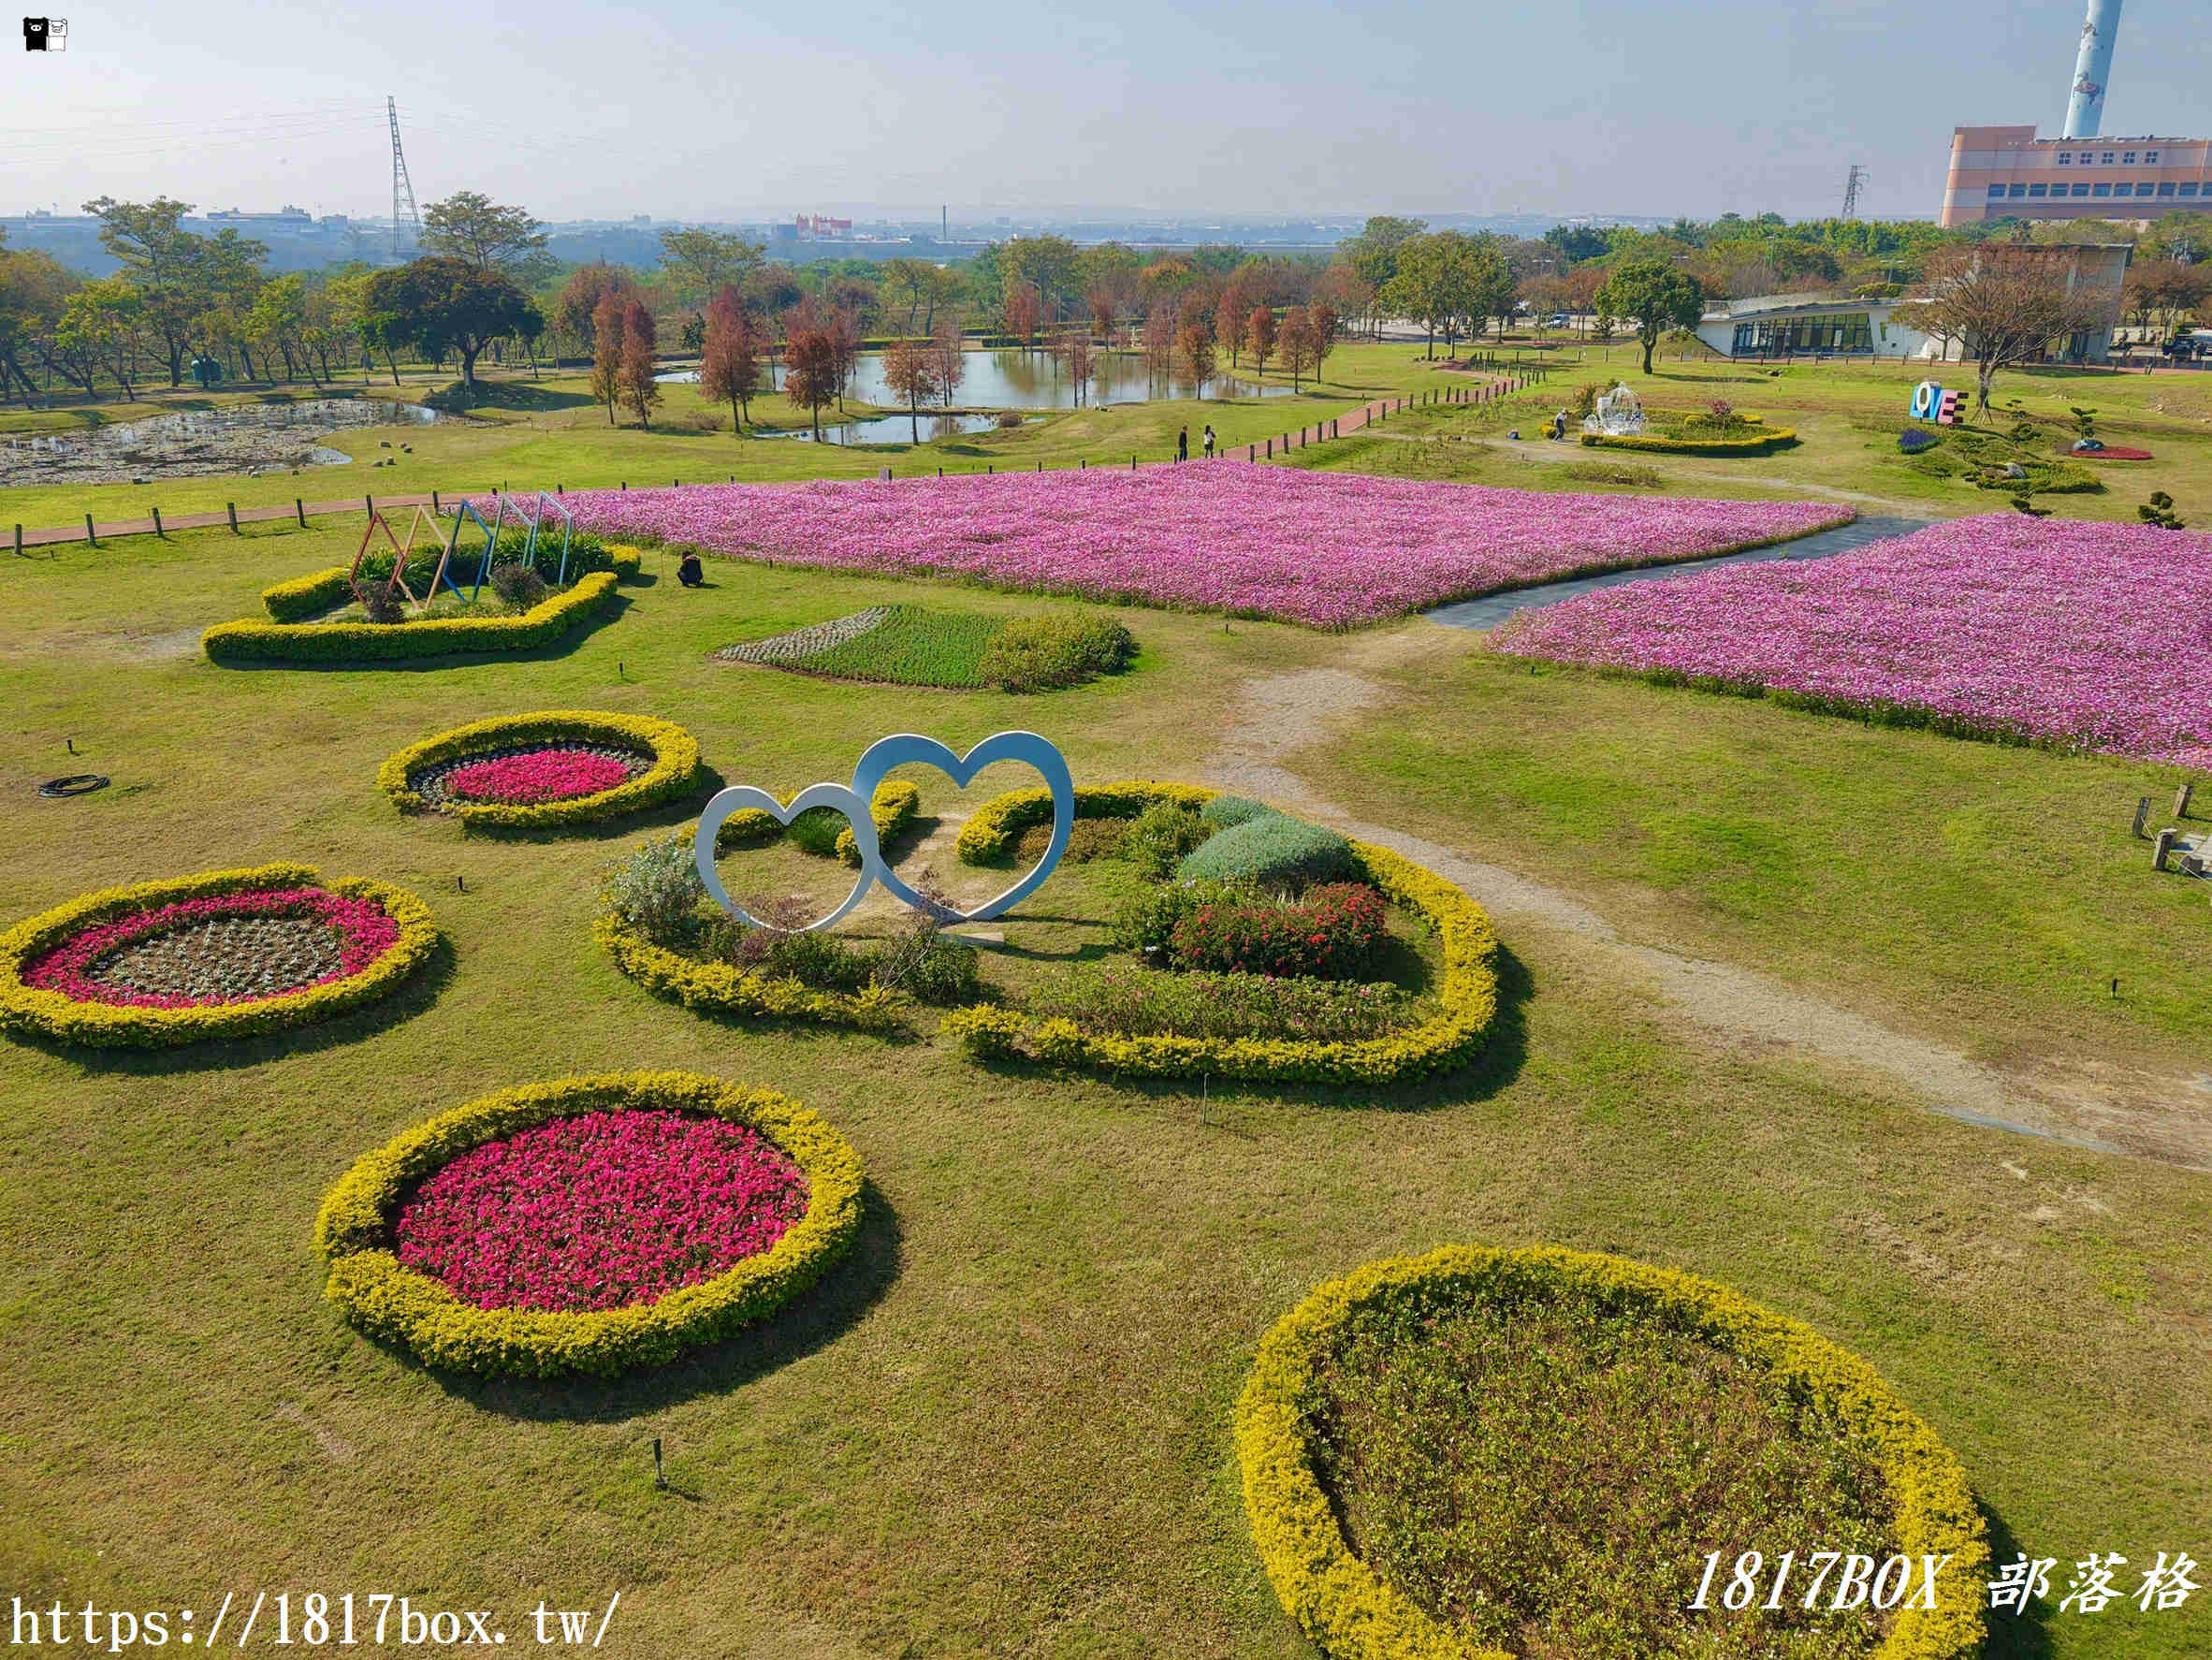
(1034, 380)
(894, 428)
(242, 438)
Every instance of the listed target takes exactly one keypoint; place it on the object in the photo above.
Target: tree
(588, 285)
(103, 320)
(844, 332)
(699, 263)
(1072, 350)
(729, 361)
(2007, 303)
(439, 304)
(1373, 253)
(811, 369)
(278, 318)
(2164, 292)
(606, 351)
(1194, 355)
(1451, 281)
(1325, 324)
(911, 278)
(1260, 335)
(1048, 264)
(909, 369)
(1023, 310)
(472, 228)
(1300, 352)
(33, 291)
(165, 263)
(638, 384)
(1655, 298)
(949, 357)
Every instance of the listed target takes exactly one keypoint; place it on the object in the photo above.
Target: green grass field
(1003, 1426)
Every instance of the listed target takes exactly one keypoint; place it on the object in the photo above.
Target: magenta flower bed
(543, 775)
(600, 1211)
(364, 931)
(1323, 548)
(2088, 636)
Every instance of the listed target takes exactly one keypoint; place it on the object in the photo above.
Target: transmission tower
(1858, 177)
(404, 209)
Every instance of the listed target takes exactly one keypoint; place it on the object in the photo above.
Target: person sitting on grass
(687, 570)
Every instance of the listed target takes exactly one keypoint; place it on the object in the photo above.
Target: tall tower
(404, 208)
(2092, 69)
(1850, 183)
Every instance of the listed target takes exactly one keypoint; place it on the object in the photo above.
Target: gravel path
(2102, 1106)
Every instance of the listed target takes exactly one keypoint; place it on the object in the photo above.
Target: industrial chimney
(2085, 110)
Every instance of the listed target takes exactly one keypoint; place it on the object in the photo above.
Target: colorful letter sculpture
(1932, 403)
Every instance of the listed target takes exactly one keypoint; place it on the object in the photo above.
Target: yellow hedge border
(252, 641)
(307, 596)
(1351, 1613)
(1469, 992)
(1695, 447)
(400, 1305)
(105, 1026)
(892, 808)
(723, 988)
(675, 768)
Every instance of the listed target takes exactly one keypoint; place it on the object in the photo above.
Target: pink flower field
(1330, 550)
(600, 1211)
(2082, 636)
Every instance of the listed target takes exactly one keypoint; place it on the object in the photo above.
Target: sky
(701, 110)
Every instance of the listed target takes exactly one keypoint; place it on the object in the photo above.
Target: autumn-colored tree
(810, 378)
(950, 358)
(729, 364)
(1260, 334)
(1100, 301)
(1160, 326)
(1324, 322)
(1300, 348)
(1023, 310)
(578, 304)
(844, 332)
(909, 369)
(607, 350)
(637, 377)
(1194, 355)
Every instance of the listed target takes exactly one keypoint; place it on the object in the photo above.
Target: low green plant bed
(911, 645)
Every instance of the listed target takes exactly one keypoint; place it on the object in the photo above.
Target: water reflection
(895, 428)
(1035, 380)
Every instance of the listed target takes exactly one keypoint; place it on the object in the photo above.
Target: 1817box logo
(46, 34)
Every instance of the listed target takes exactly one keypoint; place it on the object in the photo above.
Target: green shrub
(656, 890)
(1130, 1000)
(816, 831)
(1283, 853)
(1087, 840)
(1225, 810)
(1054, 648)
(923, 963)
(518, 584)
(1144, 921)
(1161, 834)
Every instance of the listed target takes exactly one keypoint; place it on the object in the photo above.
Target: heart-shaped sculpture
(1028, 747)
(738, 796)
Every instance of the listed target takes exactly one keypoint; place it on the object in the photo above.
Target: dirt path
(2097, 1105)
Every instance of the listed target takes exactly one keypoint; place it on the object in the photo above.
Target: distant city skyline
(688, 112)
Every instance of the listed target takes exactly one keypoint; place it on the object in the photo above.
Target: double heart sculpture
(852, 801)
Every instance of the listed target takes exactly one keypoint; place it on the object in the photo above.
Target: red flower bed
(541, 775)
(2111, 452)
(600, 1211)
(1332, 933)
(364, 933)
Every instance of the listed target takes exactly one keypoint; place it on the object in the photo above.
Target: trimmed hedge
(675, 768)
(398, 1304)
(723, 988)
(892, 808)
(365, 642)
(308, 596)
(1694, 446)
(1272, 849)
(1468, 995)
(1351, 1613)
(109, 1025)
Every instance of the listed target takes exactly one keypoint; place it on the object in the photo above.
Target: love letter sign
(852, 801)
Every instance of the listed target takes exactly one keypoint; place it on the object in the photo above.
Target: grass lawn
(1003, 1427)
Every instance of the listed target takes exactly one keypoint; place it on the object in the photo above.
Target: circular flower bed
(594, 1225)
(543, 770)
(224, 953)
(1543, 1359)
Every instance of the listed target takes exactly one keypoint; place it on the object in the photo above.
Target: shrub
(380, 607)
(518, 584)
(1129, 1000)
(94, 1025)
(1161, 836)
(816, 831)
(1054, 648)
(1334, 933)
(1225, 810)
(674, 772)
(923, 963)
(1275, 850)
(892, 809)
(1145, 921)
(1087, 840)
(1352, 1613)
(722, 988)
(1757, 440)
(656, 890)
(398, 1304)
(989, 835)
(1913, 440)
(355, 642)
(307, 596)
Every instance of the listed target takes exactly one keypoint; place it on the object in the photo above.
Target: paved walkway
(1380, 411)
(1491, 609)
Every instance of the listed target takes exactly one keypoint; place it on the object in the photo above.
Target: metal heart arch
(853, 799)
(738, 796)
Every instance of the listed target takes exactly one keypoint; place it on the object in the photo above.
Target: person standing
(1183, 445)
(1209, 441)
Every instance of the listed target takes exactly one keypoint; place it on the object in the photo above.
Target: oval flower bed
(1465, 993)
(1580, 1396)
(543, 770)
(222, 955)
(593, 1225)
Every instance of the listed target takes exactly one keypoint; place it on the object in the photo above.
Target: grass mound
(913, 645)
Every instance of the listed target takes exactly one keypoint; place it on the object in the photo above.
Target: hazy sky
(697, 110)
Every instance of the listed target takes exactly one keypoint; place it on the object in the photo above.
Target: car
(1559, 320)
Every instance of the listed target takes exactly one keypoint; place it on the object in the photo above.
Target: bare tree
(950, 360)
(909, 369)
(2008, 303)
